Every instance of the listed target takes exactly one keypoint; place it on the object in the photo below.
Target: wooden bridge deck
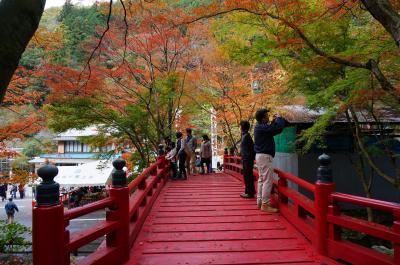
(204, 221)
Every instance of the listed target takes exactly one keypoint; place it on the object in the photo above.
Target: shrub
(13, 237)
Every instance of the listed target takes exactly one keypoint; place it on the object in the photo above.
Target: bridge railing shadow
(320, 218)
(126, 210)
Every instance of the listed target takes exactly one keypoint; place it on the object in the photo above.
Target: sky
(51, 3)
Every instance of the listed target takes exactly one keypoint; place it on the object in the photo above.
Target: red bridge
(204, 221)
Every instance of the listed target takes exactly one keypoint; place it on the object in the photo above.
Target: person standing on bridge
(180, 149)
(248, 155)
(205, 154)
(264, 147)
(191, 144)
(171, 156)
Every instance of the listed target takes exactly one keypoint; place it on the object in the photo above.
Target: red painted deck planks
(204, 221)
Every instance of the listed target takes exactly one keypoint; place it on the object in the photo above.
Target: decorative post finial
(118, 174)
(161, 150)
(324, 172)
(48, 191)
(225, 151)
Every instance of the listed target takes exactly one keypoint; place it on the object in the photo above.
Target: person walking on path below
(3, 192)
(248, 155)
(205, 154)
(10, 208)
(264, 146)
(14, 191)
(21, 189)
(191, 144)
(180, 148)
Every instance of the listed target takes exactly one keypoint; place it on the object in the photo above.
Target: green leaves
(12, 237)
(315, 135)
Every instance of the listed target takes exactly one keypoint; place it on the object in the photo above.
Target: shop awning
(89, 174)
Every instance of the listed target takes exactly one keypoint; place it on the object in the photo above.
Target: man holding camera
(264, 147)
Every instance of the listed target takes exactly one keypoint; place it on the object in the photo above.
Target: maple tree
(293, 18)
(133, 87)
(225, 87)
(20, 103)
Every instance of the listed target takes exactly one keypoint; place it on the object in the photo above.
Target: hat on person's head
(260, 114)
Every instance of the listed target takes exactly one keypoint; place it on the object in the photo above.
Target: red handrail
(142, 176)
(323, 222)
(88, 208)
(366, 202)
(301, 182)
(127, 208)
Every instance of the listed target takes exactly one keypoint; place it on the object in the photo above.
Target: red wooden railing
(320, 219)
(126, 209)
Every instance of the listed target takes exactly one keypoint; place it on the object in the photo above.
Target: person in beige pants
(191, 144)
(265, 179)
(264, 147)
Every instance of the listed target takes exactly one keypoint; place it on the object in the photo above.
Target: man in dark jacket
(264, 146)
(247, 153)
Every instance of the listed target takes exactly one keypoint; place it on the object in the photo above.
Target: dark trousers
(248, 166)
(206, 161)
(182, 168)
(173, 170)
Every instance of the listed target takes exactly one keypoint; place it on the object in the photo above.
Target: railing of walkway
(320, 219)
(126, 209)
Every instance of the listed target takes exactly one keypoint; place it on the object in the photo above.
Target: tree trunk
(359, 167)
(384, 12)
(19, 20)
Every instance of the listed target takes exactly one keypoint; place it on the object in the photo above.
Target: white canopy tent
(89, 174)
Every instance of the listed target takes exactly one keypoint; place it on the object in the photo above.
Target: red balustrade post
(335, 233)
(396, 229)
(323, 189)
(48, 239)
(120, 212)
(282, 182)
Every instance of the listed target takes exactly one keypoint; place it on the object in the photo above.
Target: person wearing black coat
(248, 155)
(264, 146)
(3, 192)
(180, 149)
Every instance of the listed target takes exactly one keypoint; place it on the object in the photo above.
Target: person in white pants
(264, 147)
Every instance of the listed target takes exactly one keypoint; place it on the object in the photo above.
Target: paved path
(204, 221)
(24, 216)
